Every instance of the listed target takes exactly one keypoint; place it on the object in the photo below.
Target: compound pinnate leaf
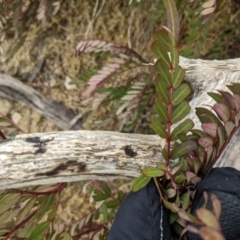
(160, 52)
(140, 182)
(205, 141)
(181, 112)
(183, 127)
(178, 77)
(159, 128)
(180, 94)
(183, 149)
(210, 128)
(162, 89)
(152, 172)
(222, 111)
(163, 69)
(161, 110)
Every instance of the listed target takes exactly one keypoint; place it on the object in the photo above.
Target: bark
(47, 158)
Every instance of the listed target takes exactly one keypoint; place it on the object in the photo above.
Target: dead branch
(13, 89)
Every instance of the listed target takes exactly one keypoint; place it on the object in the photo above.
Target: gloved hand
(142, 217)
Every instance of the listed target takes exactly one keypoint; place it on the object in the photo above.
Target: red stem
(59, 187)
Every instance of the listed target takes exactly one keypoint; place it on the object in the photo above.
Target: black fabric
(141, 217)
(225, 184)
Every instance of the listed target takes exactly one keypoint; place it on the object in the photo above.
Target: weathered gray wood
(13, 89)
(47, 158)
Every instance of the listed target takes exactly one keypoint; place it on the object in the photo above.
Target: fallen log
(48, 158)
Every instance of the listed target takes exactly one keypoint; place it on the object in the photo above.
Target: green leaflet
(112, 204)
(180, 94)
(106, 189)
(181, 112)
(178, 77)
(162, 89)
(140, 182)
(162, 36)
(174, 56)
(152, 172)
(215, 96)
(161, 110)
(183, 149)
(183, 127)
(163, 69)
(159, 128)
(160, 52)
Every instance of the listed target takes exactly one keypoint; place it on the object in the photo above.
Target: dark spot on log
(128, 151)
(81, 166)
(33, 139)
(40, 150)
(37, 140)
(57, 170)
(38, 144)
(71, 162)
